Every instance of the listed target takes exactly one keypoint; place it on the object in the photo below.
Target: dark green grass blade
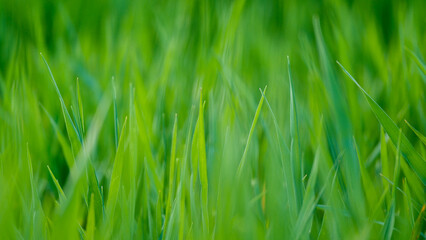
(413, 158)
(419, 135)
(58, 186)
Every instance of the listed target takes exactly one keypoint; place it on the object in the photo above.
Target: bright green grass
(144, 119)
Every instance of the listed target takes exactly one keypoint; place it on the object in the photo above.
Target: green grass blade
(31, 177)
(66, 216)
(116, 175)
(61, 193)
(95, 189)
(62, 140)
(417, 60)
(80, 105)
(309, 201)
(389, 224)
(203, 165)
(397, 166)
(253, 125)
(419, 135)
(91, 222)
(76, 116)
(294, 131)
(285, 165)
(195, 152)
(73, 134)
(413, 158)
(418, 225)
(171, 174)
(386, 170)
(116, 126)
(366, 181)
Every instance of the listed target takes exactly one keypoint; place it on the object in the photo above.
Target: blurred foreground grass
(151, 124)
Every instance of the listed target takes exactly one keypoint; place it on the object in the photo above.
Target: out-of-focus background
(152, 59)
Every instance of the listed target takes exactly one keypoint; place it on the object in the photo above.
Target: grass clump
(181, 145)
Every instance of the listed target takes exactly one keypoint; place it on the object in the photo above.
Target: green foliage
(181, 145)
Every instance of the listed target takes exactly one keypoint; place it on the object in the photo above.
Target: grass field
(186, 119)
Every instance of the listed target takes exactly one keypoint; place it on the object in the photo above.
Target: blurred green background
(151, 58)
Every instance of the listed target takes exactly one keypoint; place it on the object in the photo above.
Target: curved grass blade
(73, 133)
(77, 178)
(62, 140)
(285, 158)
(419, 135)
(253, 125)
(416, 162)
(61, 193)
(77, 145)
